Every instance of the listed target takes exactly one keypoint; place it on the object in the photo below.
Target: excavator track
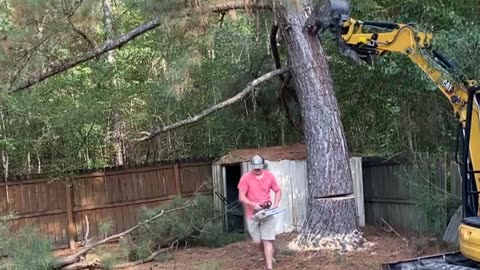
(436, 266)
(441, 266)
(445, 261)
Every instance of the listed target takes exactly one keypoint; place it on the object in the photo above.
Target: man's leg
(268, 252)
(267, 231)
(262, 251)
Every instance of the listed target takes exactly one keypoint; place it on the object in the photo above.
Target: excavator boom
(363, 41)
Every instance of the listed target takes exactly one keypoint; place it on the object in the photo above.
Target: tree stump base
(331, 225)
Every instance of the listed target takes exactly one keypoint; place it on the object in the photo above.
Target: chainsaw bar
(267, 212)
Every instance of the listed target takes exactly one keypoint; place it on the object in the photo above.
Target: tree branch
(75, 257)
(82, 34)
(250, 87)
(83, 265)
(26, 58)
(119, 41)
(142, 261)
(221, 8)
(274, 48)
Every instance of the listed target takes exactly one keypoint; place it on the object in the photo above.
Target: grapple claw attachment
(328, 14)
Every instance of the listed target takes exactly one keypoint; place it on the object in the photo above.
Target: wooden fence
(410, 196)
(114, 197)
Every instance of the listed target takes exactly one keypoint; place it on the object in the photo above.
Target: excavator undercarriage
(444, 261)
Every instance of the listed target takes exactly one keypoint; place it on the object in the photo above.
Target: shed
(288, 164)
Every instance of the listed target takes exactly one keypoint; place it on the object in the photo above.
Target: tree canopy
(200, 54)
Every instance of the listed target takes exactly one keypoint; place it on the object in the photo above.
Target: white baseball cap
(257, 162)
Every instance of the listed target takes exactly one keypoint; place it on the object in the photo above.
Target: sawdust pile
(343, 243)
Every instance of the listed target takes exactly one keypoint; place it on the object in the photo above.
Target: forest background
(92, 115)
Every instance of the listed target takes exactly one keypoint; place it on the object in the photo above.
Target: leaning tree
(331, 220)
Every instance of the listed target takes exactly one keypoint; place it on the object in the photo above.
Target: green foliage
(108, 258)
(426, 179)
(194, 225)
(210, 236)
(192, 62)
(162, 77)
(24, 250)
(106, 227)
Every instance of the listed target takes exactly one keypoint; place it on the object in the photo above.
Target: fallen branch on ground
(393, 230)
(250, 87)
(87, 233)
(61, 263)
(162, 236)
(83, 265)
(142, 261)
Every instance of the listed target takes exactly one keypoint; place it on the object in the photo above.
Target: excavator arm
(363, 41)
(368, 40)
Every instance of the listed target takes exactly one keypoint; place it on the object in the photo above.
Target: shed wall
(218, 189)
(357, 177)
(292, 178)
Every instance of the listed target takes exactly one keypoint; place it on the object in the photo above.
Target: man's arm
(278, 197)
(243, 199)
(278, 191)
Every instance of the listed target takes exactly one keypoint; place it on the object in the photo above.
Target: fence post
(176, 175)
(70, 224)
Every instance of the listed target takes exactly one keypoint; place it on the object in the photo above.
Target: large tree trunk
(331, 221)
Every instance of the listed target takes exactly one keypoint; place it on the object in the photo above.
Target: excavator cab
(469, 231)
(362, 41)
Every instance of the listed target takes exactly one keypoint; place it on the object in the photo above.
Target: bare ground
(244, 255)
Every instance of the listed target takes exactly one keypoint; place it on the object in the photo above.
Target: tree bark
(331, 205)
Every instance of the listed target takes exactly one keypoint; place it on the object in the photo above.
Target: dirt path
(244, 255)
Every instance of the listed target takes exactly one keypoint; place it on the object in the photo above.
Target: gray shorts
(262, 229)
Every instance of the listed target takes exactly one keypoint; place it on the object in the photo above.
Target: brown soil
(388, 247)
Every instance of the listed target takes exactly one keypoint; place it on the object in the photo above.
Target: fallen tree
(68, 260)
(182, 220)
(97, 264)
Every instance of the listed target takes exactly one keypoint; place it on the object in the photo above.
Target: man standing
(254, 193)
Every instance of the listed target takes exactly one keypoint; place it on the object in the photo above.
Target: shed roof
(275, 153)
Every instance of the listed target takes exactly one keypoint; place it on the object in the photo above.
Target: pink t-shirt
(258, 190)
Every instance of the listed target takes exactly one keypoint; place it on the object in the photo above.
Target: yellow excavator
(363, 41)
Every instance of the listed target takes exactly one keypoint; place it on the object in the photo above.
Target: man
(254, 193)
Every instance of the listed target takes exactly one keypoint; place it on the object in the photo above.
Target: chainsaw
(266, 211)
